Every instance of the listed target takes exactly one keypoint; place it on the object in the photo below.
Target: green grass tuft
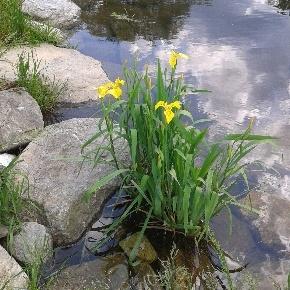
(34, 272)
(17, 28)
(10, 196)
(44, 90)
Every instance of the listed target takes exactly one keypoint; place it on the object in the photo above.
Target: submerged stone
(145, 252)
(145, 278)
(273, 221)
(20, 118)
(236, 238)
(58, 176)
(110, 273)
(266, 275)
(96, 234)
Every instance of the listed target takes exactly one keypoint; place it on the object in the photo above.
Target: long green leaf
(185, 207)
(239, 137)
(133, 146)
(134, 251)
(101, 182)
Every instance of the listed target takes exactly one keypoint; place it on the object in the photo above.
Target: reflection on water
(283, 5)
(126, 20)
(239, 49)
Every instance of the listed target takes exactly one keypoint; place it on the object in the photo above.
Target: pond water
(239, 49)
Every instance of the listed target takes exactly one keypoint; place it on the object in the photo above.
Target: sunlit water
(239, 49)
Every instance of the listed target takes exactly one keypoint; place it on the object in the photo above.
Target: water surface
(239, 49)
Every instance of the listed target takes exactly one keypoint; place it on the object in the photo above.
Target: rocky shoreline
(52, 162)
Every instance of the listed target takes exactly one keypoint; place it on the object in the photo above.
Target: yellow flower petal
(119, 82)
(111, 88)
(176, 104)
(172, 60)
(174, 56)
(160, 104)
(116, 92)
(168, 115)
(102, 91)
(182, 55)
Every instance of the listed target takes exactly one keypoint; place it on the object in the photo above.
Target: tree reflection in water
(283, 5)
(130, 19)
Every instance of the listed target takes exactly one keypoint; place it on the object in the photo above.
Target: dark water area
(238, 49)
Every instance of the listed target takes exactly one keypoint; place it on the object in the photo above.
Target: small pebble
(6, 159)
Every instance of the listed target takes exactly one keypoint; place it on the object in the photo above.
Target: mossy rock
(145, 252)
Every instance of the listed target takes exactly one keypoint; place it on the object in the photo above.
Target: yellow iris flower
(168, 113)
(111, 88)
(174, 56)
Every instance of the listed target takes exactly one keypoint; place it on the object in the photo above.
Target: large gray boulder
(110, 273)
(82, 74)
(32, 243)
(59, 13)
(12, 276)
(58, 178)
(20, 119)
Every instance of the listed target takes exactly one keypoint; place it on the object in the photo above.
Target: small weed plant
(17, 28)
(174, 277)
(176, 178)
(44, 90)
(10, 196)
(11, 205)
(34, 272)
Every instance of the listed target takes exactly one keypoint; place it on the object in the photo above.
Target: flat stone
(33, 241)
(58, 177)
(81, 74)
(59, 13)
(20, 119)
(145, 252)
(110, 273)
(11, 274)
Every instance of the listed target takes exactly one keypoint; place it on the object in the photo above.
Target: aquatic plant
(177, 179)
(124, 17)
(17, 28)
(44, 90)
